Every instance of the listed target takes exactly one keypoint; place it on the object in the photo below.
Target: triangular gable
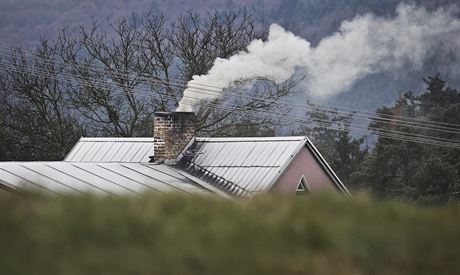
(322, 163)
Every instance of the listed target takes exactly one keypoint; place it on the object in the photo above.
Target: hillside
(23, 23)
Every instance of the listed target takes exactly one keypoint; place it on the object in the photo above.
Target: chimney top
(156, 114)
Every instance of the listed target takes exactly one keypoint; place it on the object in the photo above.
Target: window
(303, 187)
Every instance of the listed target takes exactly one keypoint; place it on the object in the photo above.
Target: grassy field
(151, 234)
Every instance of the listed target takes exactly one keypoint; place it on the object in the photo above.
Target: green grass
(152, 234)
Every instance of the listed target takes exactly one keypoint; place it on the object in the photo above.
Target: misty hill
(25, 22)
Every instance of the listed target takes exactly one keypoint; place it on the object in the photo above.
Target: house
(175, 160)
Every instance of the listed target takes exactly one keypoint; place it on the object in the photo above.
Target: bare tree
(108, 72)
(199, 40)
(158, 52)
(110, 81)
(143, 63)
(36, 122)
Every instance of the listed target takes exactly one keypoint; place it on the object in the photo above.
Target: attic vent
(303, 187)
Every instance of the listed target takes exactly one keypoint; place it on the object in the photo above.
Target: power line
(211, 93)
(283, 114)
(234, 109)
(327, 126)
(300, 107)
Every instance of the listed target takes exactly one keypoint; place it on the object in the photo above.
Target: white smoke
(365, 45)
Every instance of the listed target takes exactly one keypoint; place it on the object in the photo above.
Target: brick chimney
(171, 133)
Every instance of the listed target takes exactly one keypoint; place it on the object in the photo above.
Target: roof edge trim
(288, 163)
(327, 168)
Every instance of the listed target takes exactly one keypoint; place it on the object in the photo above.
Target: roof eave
(5, 186)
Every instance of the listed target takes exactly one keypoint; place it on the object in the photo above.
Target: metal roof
(111, 150)
(237, 166)
(103, 178)
(241, 166)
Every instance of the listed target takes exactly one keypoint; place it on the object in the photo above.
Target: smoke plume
(365, 45)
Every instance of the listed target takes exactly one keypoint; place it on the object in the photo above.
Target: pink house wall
(304, 164)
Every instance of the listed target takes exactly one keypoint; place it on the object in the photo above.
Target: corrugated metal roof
(238, 166)
(241, 165)
(104, 178)
(111, 150)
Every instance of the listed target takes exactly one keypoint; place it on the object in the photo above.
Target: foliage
(154, 234)
(415, 171)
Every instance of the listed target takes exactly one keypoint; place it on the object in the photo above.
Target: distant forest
(25, 22)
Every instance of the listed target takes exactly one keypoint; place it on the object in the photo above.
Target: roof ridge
(248, 139)
(114, 139)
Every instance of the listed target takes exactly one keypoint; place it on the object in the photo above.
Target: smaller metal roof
(127, 150)
(103, 178)
(241, 165)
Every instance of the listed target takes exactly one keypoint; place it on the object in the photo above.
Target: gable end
(326, 168)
